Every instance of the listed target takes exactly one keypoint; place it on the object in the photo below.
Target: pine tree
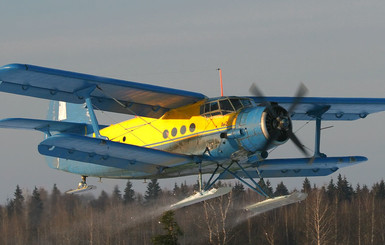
(238, 190)
(129, 193)
(15, 206)
(306, 186)
(153, 191)
(101, 202)
(55, 195)
(196, 186)
(116, 195)
(184, 190)
(331, 190)
(281, 190)
(266, 186)
(19, 200)
(176, 190)
(10, 207)
(171, 227)
(35, 212)
(344, 189)
(379, 190)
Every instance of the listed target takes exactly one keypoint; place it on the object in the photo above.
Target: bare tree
(320, 217)
(216, 217)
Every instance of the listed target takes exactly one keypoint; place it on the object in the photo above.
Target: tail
(68, 112)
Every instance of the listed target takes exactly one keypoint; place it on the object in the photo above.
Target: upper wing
(329, 108)
(135, 98)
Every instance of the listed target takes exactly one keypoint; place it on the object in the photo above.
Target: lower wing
(110, 153)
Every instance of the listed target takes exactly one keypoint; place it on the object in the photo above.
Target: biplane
(176, 132)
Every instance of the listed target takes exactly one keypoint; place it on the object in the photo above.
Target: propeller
(279, 121)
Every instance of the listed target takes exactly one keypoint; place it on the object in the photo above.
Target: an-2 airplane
(176, 132)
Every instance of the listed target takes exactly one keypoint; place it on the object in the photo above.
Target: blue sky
(335, 47)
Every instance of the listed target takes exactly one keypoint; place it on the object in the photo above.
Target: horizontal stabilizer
(201, 196)
(47, 125)
(276, 202)
(110, 153)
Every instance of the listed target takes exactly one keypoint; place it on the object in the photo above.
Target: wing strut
(86, 94)
(317, 114)
(208, 192)
(257, 187)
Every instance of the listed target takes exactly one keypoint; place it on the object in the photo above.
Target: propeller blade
(270, 140)
(301, 92)
(254, 90)
(297, 142)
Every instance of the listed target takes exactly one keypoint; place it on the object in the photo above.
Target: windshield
(224, 106)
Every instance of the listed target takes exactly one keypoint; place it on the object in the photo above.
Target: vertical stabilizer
(68, 112)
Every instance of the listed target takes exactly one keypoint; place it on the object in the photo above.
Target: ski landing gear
(202, 194)
(82, 187)
(208, 192)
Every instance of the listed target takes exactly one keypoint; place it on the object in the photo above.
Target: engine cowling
(254, 127)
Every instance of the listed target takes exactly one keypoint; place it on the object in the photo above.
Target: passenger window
(165, 134)
(174, 131)
(183, 129)
(192, 127)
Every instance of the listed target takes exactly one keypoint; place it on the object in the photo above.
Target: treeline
(334, 214)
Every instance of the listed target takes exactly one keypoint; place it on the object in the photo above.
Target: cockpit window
(237, 104)
(246, 103)
(214, 106)
(224, 106)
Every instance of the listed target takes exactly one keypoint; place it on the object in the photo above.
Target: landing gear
(82, 187)
(237, 171)
(83, 183)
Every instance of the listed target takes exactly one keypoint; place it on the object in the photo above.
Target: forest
(337, 213)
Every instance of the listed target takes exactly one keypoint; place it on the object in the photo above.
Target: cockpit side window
(226, 106)
(236, 103)
(206, 108)
(214, 106)
(246, 103)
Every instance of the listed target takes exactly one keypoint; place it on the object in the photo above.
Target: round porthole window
(124, 138)
(165, 134)
(183, 129)
(192, 127)
(174, 131)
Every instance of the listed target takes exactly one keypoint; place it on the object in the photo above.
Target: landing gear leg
(263, 185)
(82, 186)
(83, 183)
(200, 178)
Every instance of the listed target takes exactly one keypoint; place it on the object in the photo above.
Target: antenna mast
(220, 79)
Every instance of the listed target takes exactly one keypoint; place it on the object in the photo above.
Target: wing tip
(14, 66)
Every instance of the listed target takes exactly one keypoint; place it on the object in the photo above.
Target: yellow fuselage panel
(176, 126)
